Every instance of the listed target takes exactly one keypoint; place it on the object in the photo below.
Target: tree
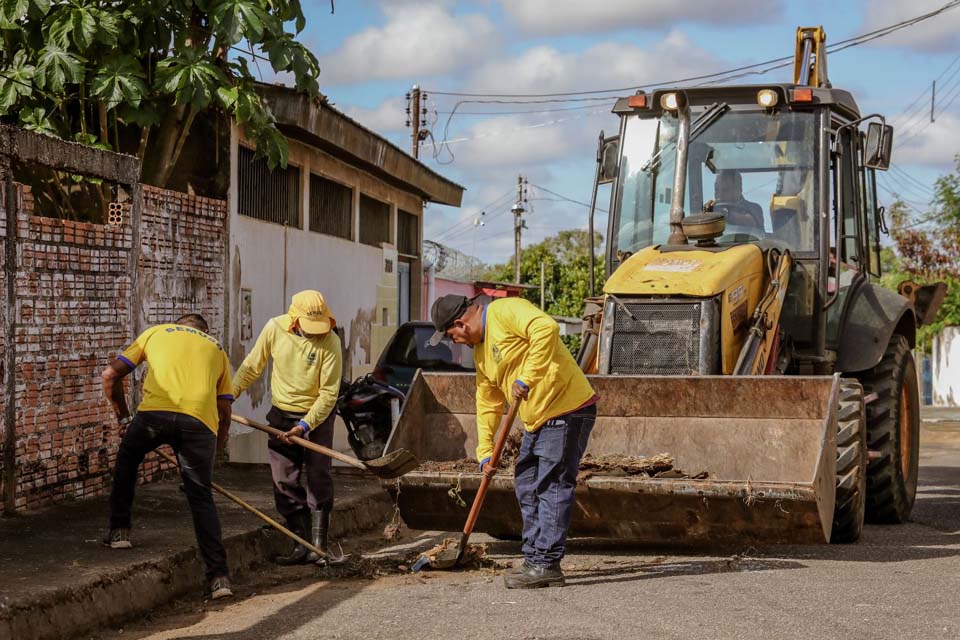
(927, 248)
(133, 75)
(566, 260)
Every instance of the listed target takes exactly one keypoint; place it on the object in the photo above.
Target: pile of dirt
(474, 557)
(658, 466)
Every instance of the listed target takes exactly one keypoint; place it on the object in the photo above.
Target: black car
(408, 351)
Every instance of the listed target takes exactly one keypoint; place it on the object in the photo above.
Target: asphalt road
(897, 582)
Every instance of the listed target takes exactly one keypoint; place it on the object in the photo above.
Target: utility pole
(416, 114)
(933, 101)
(543, 289)
(518, 225)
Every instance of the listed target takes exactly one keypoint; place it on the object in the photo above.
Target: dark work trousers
(545, 477)
(195, 446)
(288, 463)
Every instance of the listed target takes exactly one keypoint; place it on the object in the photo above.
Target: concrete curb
(119, 595)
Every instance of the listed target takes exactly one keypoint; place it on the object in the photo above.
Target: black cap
(445, 310)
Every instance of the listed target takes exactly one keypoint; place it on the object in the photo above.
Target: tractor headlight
(670, 102)
(767, 98)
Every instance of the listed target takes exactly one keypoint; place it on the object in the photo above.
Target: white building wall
(945, 367)
(273, 262)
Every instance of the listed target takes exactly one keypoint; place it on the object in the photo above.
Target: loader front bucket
(767, 443)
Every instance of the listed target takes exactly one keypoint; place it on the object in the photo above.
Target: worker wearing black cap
(519, 356)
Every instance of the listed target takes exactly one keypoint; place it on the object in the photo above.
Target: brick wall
(74, 294)
(183, 247)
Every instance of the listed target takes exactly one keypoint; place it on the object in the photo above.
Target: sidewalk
(940, 414)
(57, 581)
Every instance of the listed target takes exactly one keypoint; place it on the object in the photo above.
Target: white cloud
(544, 69)
(576, 16)
(931, 145)
(522, 141)
(940, 33)
(418, 40)
(387, 117)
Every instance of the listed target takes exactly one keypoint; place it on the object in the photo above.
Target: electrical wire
(837, 46)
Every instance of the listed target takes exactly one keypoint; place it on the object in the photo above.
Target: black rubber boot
(299, 523)
(319, 526)
(535, 576)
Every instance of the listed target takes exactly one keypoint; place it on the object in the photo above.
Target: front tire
(893, 432)
(848, 513)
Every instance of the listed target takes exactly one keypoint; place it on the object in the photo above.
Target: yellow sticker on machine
(676, 265)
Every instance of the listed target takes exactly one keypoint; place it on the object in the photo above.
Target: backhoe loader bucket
(768, 445)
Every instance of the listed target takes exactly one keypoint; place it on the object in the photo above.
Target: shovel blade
(393, 465)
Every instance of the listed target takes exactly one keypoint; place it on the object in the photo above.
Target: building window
(374, 221)
(408, 233)
(331, 207)
(272, 196)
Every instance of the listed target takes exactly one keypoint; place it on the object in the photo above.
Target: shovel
(392, 465)
(270, 521)
(451, 556)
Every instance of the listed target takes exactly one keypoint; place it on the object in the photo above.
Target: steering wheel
(728, 208)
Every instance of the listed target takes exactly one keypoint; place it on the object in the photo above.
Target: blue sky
(372, 51)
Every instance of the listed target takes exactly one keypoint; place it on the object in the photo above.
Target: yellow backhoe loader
(741, 329)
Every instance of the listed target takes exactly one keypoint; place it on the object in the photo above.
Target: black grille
(660, 339)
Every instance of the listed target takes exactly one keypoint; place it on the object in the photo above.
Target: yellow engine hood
(685, 273)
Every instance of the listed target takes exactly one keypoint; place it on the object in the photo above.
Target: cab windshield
(755, 168)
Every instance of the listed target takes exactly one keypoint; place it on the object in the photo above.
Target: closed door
(403, 290)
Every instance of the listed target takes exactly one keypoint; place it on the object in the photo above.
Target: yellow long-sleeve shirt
(306, 371)
(523, 343)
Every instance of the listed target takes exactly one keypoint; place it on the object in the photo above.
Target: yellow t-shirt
(188, 371)
(306, 371)
(521, 342)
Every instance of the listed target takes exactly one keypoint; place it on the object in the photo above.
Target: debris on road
(474, 556)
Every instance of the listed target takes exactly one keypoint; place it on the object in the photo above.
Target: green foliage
(566, 264)
(927, 250)
(147, 62)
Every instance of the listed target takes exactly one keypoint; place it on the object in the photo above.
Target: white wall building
(345, 217)
(945, 367)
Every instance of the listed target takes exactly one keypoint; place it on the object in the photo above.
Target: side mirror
(609, 159)
(876, 153)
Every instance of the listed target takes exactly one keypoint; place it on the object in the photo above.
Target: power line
(837, 46)
(915, 181)
(466, 218)
(565, 198)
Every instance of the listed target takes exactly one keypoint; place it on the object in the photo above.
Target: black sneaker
(220, 588)
(117, 539)
(534, 577)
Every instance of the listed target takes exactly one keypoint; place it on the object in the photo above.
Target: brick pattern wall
(74, 292)
(3, 334)
(183, 248)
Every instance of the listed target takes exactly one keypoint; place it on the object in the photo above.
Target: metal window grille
(408, 233)
(331, 207)
(374, 221)
(272, 196)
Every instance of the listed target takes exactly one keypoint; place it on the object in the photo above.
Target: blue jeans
(545, 477)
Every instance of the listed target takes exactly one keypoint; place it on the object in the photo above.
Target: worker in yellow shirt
(305, 383)
(186, 404)
(519, 356)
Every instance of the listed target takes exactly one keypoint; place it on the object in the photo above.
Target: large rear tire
(848, 513)
(893, 433)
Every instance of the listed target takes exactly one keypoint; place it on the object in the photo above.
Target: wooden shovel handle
(270, 521)
(502, 435)
(303, 442)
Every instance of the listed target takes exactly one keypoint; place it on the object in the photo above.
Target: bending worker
(519, 356)
(186, 404)
(307, 364)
